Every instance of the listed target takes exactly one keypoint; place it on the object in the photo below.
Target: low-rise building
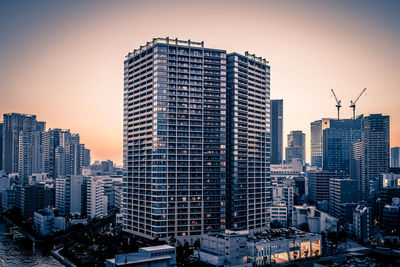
(157, 256)
(390, 180)
(279, 213)
(282, 245)
(224, 249)
(316, 220)
(239, 248)
(46, 223)
(391, 216)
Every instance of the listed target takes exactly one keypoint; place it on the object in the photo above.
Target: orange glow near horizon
(66, 66)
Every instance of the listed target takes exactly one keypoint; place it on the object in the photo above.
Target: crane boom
(353, 103)
(337, 101)
(362, 92)
(338, 104)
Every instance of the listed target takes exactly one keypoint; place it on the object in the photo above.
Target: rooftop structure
(157, 256)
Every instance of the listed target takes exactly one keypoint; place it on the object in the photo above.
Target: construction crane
(338, 104)
(353, 104)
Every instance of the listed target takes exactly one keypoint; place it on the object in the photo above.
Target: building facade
(69, 190)
(316, 143)
(362, 222)
(248, 142)
(395, 157)
(371, 154)
(175, 140)
(296, 146)
(276, 131)
(341, 191)
(338, 136)
(318, 185)
(96, 198)
(13, 125)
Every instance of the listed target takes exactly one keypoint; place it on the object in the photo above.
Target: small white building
(157, 256)
(279, 212)
(224, 249)
(390, 180)
(46, 223)
(317, 220)
(96, 198)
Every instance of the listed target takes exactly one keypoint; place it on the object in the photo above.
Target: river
(18, 252)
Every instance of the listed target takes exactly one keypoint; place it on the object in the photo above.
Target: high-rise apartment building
(316, 143)
(276, 131)
(51, 140)
(69, 192)
(338, 136)
(63, 153)
(174, 139)
(248, 142)
(395, 157)
(181, 131)
(96, 198)
(371, 154)
(13, 124)
(30, 155)
(296, 146)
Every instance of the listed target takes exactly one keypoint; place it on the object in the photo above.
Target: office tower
(174, 139)
(318, 185)
(13, 124)
(276, 131)
(371, 154)
(248, 145)
(96, 199)
(338, 136)
(395, 157)
(296, 147)
(316, 143)
(341, 191)
(69, 194)
(1, 146)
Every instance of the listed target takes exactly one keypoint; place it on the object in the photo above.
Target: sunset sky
(63, 60)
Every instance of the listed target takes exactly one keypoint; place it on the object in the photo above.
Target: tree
(304, 227)
(197, 244)
(275, 224)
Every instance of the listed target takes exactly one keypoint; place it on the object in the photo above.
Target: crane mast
(353, 103)
(338, 104)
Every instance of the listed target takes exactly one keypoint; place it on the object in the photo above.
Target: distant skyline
(63, 60)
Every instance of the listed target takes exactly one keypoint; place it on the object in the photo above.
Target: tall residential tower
(196, 140)
(276, 131)
(248, 142)
(174, 139)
